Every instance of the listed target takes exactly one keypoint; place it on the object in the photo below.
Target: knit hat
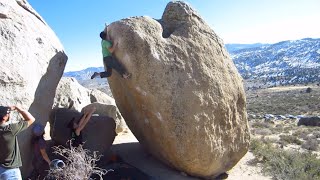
(37, 129)
(4, 110)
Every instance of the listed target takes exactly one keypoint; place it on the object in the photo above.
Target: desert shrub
(289, 139)
(277, 129)
(316, 134)
(268, 140)
(301, 133)
(293, 165)
(80, 164)
(260, 148)
(263, 132)
(311, 144)
(287, 165)
(287, 129)
(260, 125)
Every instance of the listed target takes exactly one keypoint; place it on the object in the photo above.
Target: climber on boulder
(109, 61)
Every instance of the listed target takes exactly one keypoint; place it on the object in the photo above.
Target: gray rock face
(98, 134)
(185, 102)
(70, 94)
(32, 62)
(309, 121)
(109, 110)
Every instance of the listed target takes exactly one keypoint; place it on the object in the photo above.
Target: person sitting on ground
(109, 61)
(10, 159)
(41, 160)
(77, 126)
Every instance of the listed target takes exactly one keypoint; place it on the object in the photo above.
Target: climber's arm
(84, 120)
(112, 49)
(45, 155)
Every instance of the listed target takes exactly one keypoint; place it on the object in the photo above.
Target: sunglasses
(8, 111)
(5, 113)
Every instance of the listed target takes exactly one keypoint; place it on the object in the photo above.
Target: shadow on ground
(133, 154)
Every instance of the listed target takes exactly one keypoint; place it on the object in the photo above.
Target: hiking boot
(95, 74)
(71, 104)
(222, 176)
(126, 75)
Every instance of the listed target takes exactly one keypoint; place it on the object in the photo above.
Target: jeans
(10, 174)
(111, 63)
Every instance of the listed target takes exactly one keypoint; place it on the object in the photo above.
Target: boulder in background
(32, 62)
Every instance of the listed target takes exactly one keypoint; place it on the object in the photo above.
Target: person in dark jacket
(41, 160)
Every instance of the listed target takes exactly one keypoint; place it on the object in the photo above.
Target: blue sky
(77, 23)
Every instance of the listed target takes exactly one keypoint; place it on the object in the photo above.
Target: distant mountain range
(84, 74)
(264, 65)
(282, 63)
(83, 77)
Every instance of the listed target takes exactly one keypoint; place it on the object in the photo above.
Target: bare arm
(84, 120)
(25, 114)
(113, 48)
(45, 155)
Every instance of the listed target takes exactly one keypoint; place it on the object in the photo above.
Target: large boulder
(109, 110)
(70, 94)
(32, 62)
(185, 101)
(309, 121)
(98, 134)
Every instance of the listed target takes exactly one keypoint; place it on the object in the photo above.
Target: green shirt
(105, 48)
(9, 150)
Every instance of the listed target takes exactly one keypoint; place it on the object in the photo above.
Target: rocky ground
(129, 148)
(276, 132)
(283, 133)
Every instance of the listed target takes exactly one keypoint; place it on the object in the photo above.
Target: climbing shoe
(95, 74)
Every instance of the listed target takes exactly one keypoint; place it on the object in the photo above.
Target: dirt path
(247, 171)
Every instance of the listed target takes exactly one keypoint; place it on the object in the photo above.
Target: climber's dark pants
(111, 63)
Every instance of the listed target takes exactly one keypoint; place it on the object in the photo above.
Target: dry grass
(288, 165)
(284, 100)
(287, 151)
(287, 133)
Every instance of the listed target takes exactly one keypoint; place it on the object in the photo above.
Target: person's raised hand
(12, 108)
